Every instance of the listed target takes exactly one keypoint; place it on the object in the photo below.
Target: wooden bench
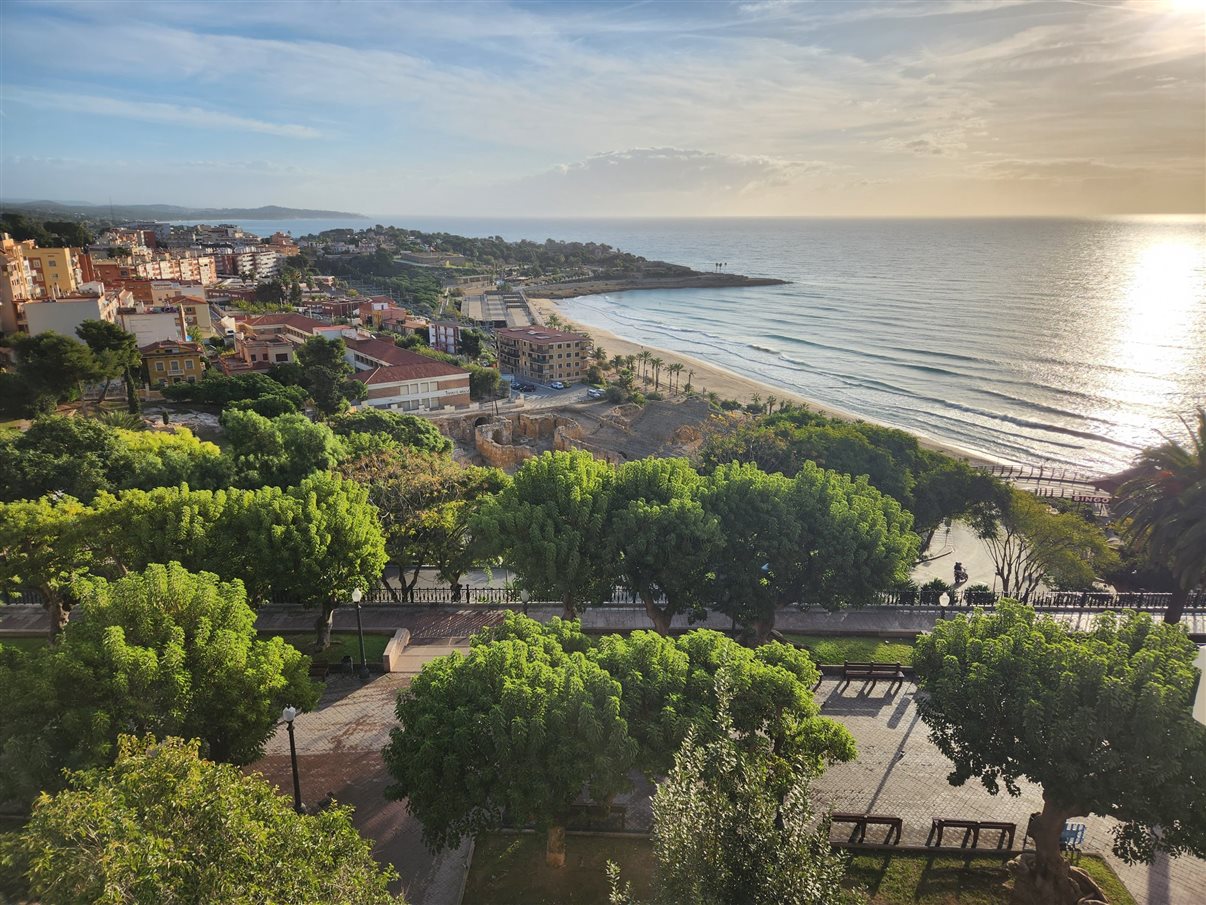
(319, 670)
(873, 672)
(971, 832)
(858, 834)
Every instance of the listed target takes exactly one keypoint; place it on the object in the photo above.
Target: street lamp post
(525, 595)
(288, 715)
(357, 596)
(944, 601)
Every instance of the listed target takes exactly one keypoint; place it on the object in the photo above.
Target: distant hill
(119, 212)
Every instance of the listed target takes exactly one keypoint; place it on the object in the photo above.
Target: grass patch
(510, 870)
(343, 644)
(1096, 867)
(836, 649)
(27, 643)
(916, 879)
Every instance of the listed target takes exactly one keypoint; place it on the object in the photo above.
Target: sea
(1070, 343)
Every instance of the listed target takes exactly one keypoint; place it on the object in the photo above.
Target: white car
(557, 385)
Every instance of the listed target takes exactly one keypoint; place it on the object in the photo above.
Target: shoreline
(731, 385)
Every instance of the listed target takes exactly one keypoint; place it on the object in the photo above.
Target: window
(53, 263)
(159, 366)
(175, 367)
(282, 356)
(188, 365)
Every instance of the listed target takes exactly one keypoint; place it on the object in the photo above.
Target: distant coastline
(695, 280)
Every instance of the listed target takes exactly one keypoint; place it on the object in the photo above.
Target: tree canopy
(326, 375)
(930, 485)
(1163, 509)
(513, 730)
(163, 826)
(454, 725)
(818, 537)
(726, 829)
(1100, 720)
(164, 651)
(405, 430)
(277, 451)
(551, 523)
(665, 540)
(1032, 545)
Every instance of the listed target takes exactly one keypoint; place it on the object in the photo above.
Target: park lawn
(509, 869)
(918, 879)
(343, 644)
(27, 643)
(836, 649)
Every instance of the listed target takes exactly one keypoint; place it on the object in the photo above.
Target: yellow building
(16, 284)
(55, 271)
(169, 361)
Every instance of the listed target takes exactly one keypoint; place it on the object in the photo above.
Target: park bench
(858, 832)
(319, 670)
(873, 672)
(591, 817)
(971, 832)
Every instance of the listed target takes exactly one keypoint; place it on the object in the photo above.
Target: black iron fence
(495, 597)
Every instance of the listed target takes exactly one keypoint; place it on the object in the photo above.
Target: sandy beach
(726, 384)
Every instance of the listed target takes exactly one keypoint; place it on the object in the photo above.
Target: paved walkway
(339, 751)
(899, 772)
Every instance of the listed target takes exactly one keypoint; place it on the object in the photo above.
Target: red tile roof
(292, 318)
(426, 368)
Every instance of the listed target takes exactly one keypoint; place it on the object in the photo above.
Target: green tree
(483, 382)
(425, 502)
(665, 540)
(1031, 545)
(166, 652)
(326, 374)
(1163, 506)
(115, 353)
(59, 454)
(44, 546)
(510, 731)
(551, 526)
(727, 828)
(1100, 720)
(54, 366)
(278, 451)
(406, 430)
(311, 544)
(161, 825)
(819, 537)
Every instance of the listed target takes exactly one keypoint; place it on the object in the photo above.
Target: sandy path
(725, 383)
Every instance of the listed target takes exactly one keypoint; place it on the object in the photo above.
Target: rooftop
(538, 334)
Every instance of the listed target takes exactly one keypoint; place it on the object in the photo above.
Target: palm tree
(1164, 504)
(553, 321)
(756, 402)
(646, 359)
(600, 354)
(674, 369)
(713, 397)
(618, 362)
(770, 403)
(657, 364)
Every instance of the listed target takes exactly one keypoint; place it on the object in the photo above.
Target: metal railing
(510, 598)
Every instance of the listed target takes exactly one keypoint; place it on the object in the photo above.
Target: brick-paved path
(339, 750)
(899, 772)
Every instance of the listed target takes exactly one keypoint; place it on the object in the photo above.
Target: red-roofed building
(170, 361)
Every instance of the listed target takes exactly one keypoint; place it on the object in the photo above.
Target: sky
(756, 108)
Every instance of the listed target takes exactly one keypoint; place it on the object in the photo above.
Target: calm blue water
(1067, 341)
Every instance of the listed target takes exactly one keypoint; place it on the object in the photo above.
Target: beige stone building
(541, 354)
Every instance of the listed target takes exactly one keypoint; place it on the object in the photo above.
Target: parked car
(523, 387)
(557, 385)
(595, 393)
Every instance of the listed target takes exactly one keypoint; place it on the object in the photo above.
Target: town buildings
(395, 378)
(541, 354)
(91, 302)
(172, 361)
(445, 336)
(28, 273)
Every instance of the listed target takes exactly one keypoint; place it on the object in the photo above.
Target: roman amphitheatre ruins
(613, 433)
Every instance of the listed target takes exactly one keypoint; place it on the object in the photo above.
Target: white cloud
(154, 112)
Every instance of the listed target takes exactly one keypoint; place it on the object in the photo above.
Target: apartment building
(541, 354)
(445, 336)
(16, 285)
(64, 314)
